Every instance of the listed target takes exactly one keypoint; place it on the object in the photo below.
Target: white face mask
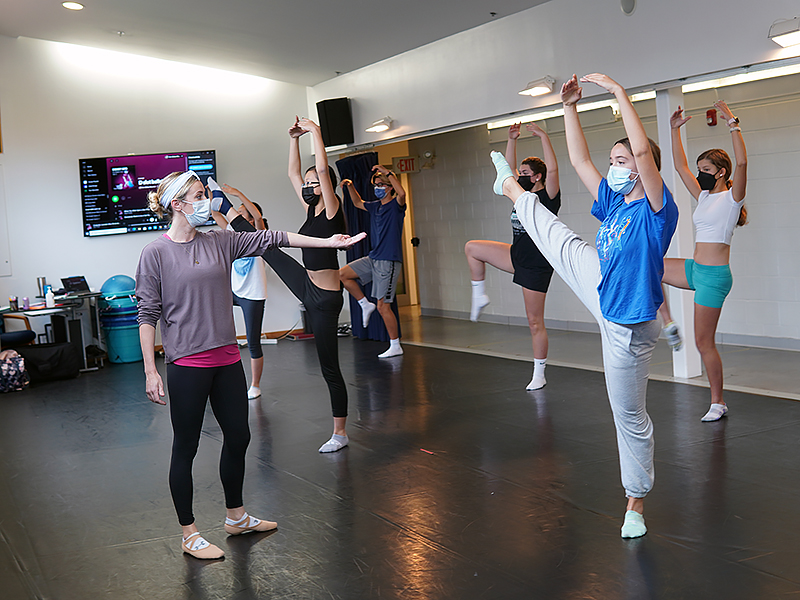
(202, 210)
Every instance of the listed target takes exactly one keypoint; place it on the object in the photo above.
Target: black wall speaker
(335, 121)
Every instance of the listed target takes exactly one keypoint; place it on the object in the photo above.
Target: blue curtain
(358, 169)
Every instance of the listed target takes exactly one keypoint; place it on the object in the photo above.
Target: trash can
(118, 319)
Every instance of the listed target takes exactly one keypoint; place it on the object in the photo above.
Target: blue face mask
(202, 210)
(619, 180)
(380, 192)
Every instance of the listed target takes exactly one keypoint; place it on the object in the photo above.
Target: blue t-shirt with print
(631, 244)
(386, 229)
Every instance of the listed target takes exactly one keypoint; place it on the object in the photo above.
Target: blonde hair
(154, 198)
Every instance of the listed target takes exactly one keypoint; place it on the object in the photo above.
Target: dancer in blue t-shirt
(619, 281)
(385, 261)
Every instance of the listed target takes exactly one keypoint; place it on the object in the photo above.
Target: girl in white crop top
(719, 190)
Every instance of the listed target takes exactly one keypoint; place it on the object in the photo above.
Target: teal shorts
(711, 283)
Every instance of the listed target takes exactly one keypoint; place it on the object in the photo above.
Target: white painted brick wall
(454, 204)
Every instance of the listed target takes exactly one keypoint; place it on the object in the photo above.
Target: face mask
(202, 210)
(707, 181)
(618, 179)
(309, 197)
(525, 182)
(380, 192)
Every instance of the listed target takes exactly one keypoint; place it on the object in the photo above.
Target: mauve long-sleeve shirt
(187, 286)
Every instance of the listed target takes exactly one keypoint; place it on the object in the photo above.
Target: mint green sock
(503, 172)
(633, 527)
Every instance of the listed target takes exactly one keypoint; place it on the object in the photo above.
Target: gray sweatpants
(626, 348)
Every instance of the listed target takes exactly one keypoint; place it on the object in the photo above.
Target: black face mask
(525, 182)
(707, 181)
(309, 197)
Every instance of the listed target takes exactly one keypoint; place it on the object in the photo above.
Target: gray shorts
(382, 273)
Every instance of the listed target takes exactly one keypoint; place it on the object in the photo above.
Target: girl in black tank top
(318, 259)
(522, 258)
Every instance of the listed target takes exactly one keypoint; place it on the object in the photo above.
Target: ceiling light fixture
(538, 87)
(741, 78)
(785, 33)
(383, 124)
(559, 112)
(72, 5)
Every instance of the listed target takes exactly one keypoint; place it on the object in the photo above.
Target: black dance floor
(458, 484)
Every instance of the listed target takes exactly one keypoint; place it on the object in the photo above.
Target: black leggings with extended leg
(322, 310)
(189, 389)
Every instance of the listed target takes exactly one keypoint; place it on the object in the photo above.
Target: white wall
(476, 74)
(454, 203)
(55, 111)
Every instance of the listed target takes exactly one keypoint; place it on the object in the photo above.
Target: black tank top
(319, 259)
(524, 252)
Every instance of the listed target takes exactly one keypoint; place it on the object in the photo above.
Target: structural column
(685, 363)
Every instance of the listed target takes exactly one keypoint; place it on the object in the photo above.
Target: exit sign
(405, 164)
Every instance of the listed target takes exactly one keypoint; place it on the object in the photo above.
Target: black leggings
(322, 310)
(253, 311)
(189, 388)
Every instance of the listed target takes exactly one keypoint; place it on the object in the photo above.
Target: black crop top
(318, 259)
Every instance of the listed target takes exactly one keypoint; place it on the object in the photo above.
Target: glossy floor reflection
(458, 484)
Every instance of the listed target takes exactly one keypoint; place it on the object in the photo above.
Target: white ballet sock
(336, 443)
(503, 172)
(253, 392)
(715, 413)
(395, 349)
(634, 526)
(538, 381)
(479, 300)
(367, 308)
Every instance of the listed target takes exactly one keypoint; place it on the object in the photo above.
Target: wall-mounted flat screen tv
(114, 189)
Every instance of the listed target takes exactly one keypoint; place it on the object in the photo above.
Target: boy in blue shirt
(385, 261)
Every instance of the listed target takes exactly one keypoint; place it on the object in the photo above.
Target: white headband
(175, 187)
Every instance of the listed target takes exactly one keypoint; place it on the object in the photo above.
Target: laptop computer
(74, 285)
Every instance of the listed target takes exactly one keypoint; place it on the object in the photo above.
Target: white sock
(367, 308)
(212, 185)
(336, 443)
(538, 381)
(479, 300)
(395, 349)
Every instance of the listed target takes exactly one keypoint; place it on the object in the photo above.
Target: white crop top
(715, 217)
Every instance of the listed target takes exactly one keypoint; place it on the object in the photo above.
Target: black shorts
(536, 279)
(531, 269)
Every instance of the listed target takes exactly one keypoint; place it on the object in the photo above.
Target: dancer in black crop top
(319, 225)
(317, 285)
(522, 258)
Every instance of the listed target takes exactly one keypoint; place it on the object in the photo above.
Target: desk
(68, 318)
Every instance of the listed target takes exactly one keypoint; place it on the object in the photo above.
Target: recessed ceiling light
(72, 5)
